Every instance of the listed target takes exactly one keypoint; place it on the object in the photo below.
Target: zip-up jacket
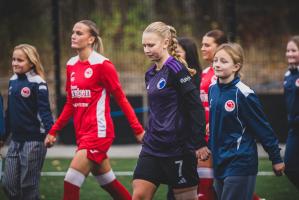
(291, 93)
(236, 121)
(2, 130)
(28, 115)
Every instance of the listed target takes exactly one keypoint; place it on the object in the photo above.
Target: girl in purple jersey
(176, 123)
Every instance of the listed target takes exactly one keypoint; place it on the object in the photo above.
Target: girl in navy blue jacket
(236, 121)
(291, 91)
(29, 119)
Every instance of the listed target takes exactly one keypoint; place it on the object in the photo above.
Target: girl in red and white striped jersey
(91, 79)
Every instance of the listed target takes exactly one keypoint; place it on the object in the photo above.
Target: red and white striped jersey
(207, 78)
(88, 86)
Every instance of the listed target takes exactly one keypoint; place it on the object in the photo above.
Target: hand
(49, 140)
(139, 137)
(203, 153)
(278, 169)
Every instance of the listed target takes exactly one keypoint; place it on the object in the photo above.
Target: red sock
(71, 192)
(117, 190)
(205, 189)
(255, 197)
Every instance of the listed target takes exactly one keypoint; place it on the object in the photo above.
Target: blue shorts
(178, 171)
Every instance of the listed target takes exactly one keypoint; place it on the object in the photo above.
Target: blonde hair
(235, 51)
(98, 43)
(33, 57)
(168, 32)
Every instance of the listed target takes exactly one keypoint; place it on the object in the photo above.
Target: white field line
(130, 173)
(119, 173)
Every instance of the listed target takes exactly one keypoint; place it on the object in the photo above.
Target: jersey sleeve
(7, 120)
(67, 111)
(109, 77)
(182, 81)
(2, 130)
(197, 116)
(257, 123)
(190, 94)
(293, 116)
(43, 104)
(126, 107)
(111, 82)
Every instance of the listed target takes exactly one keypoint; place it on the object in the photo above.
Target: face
(224, 67)
(181, 52)
(20, 62)
(292, 53)
(154, 46)
(208, 48)
(81, 37)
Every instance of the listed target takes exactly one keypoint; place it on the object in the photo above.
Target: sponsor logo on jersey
(185, 79)
(25, 92)
(229, 105)
(297, 82)
(72, 76)
(161, 84)
(88, 72)
(84, 105)
(77, 93)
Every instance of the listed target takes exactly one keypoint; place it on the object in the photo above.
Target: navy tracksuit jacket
(28, 115)
(236, 121)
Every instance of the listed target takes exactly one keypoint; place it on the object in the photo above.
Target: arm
(64, 117)
(257, 122)
(44, 106)
(111, 82)
(293, 122)
(126, 107)
(2, 130)
(196, 110)
(193, 105)
(7, 128)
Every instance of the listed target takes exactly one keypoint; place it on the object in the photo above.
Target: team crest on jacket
(88, 72)
(229, 105)
(25, 92)
(161, 84)
(297, 82)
